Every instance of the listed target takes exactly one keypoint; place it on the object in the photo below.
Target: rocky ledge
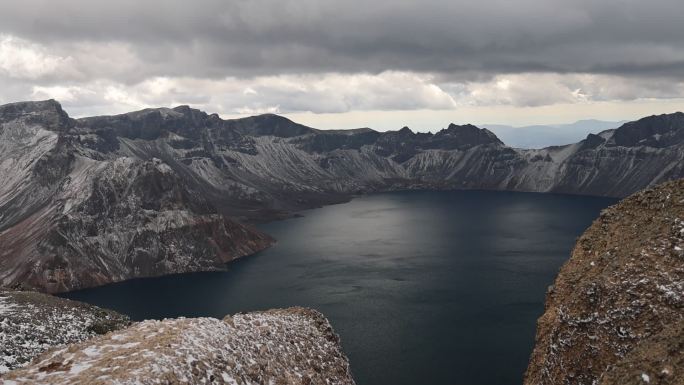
(31, 323)
(615, 314)
(290, 346)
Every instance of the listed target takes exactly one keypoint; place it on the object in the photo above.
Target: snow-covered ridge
(158, 191)
(75, 215)
(290, 346)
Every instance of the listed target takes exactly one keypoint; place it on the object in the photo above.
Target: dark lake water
(424, 287)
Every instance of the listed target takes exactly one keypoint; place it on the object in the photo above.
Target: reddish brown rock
(614, 314)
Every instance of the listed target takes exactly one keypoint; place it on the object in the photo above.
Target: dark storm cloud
(456, 39)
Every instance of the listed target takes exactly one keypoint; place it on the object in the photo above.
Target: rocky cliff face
(614, 314)
(293, 346)
(75, 213)
(90, 201)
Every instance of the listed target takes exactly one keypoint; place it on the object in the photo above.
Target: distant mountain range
(540, 136)
(90, 201)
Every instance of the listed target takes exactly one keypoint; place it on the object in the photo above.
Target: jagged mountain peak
(184, 108)
(466, 129)
(195, 113)
(665, 122)
(672, 115)
(31, 106)
(164, 113)
(654, 131)
(404, 131)
(458, 128)
(269, 125)
(592, 141)
(153, 123)
(467, 135)
(93, 176)
(468, 126)
(48, 113)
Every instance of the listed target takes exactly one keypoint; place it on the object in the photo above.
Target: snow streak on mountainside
(73, 217)
(95, 200)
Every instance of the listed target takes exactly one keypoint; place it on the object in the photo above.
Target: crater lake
(424, 287)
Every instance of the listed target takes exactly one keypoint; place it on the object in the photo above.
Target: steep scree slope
(74, 217)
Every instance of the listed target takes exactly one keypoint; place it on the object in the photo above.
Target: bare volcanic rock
(31, 323)
(291, 346)
(615, 314)
(72, 217)
(85, 202)
(657, 360)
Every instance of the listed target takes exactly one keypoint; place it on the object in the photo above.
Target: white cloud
(111, 77)
(22, 59)
(62, 93)
(321, 93)
(258, 111)
(343, 93)
(542, 89)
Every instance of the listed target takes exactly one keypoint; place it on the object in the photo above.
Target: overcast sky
(348, 63)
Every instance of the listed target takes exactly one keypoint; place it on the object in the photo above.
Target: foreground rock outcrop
(31, 323)
(615, 314)
(291, 346)
(85, 202)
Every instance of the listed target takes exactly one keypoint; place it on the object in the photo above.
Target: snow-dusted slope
(291, 346)
(31, 165)
(103, 199)
(31, 323)
(271, 162)
(74, 215)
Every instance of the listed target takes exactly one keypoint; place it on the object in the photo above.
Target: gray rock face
(90, 201)
(77, 210)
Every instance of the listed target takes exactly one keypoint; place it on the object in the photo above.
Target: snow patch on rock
(31, 323)
(291, 346)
